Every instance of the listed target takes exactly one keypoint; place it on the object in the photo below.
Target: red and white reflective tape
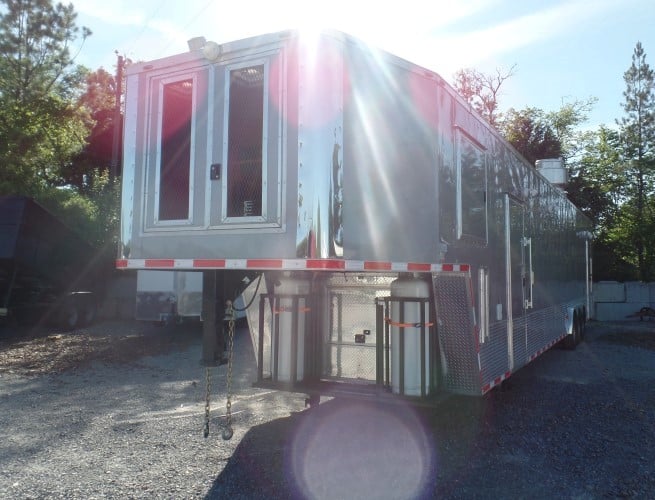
(545, 348)
(496, 382)
(291, 265)
(499, 380)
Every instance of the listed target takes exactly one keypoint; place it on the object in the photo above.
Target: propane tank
(283, 346)
(409, 361)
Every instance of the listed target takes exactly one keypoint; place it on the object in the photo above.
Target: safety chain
(227, 429)
(208, 386)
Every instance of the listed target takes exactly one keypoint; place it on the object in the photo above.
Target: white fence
(614, 301)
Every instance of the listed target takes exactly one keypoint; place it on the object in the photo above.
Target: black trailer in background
(47, 271)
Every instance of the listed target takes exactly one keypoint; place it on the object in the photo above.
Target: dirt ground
(37, 350)
(40, 350)
(117, 411)
(633, 333)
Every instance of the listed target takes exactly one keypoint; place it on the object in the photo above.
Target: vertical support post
(213, 310)
(379, 343)
(339, 333)
(401, 346)
(275, 338)
(387, 351)
(587, 259)
(260, 344)
(294, 338)
(422, 347)
(435, 351)
(113, 168)
(313, 362)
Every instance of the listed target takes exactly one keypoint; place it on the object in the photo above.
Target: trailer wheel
(571, 341)
(89, 314)
(70, 317)
(583, 325)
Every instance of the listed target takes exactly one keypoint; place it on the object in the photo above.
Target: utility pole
(113, 168)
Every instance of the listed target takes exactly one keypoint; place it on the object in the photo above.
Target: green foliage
(39, 121)
(48, 112)
(636, 149)
(531, 134)
(97, 104)
(597, 185)
(94, 215)
(611, 172)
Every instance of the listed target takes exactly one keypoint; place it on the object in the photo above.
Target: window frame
(160, 84)
(460, 137)
(262, 218)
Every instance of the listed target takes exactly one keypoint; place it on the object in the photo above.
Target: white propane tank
(409, 287)
(283, 337)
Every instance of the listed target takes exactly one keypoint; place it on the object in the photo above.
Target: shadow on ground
(348, 448)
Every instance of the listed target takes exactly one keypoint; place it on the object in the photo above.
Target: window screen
(245, 142)
(175, 162)
(473, 187)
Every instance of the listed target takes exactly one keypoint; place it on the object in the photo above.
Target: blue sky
(563, 49)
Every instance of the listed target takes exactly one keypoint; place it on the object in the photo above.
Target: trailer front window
(472, 191)
(175, 159)
(245, 142)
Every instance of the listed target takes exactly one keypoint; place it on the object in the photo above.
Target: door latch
(215, 171)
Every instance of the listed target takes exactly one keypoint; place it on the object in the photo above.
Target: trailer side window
(175, 159)
(245, 142)
(471, 190)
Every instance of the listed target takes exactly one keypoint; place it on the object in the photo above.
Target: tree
(637, 132)
(39, 123)
(531, 134)
(89, 171)
(565, 122)
(49, 110)
(97, 104)
(598, 189)
(481, 91)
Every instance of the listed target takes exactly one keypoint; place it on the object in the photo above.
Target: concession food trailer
(388, 241)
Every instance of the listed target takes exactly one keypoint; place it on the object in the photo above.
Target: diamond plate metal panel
(520, 345)
(537, 332)
(494, 360)
(532, 333)
(457, 337)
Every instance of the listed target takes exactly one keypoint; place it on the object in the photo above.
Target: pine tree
(39, 83)
(637, 131)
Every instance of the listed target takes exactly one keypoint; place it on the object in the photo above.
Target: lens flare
(354, 449)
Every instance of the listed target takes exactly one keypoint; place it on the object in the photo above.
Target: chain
(208, 386)
(227, 429)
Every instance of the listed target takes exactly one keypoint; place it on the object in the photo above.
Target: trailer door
(246, 157)
(515, 266)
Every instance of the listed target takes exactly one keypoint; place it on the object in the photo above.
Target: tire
(70, 317)
(571, 341)
(583, 325)
(89, 314)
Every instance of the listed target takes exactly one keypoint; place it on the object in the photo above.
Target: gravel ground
(116, 411)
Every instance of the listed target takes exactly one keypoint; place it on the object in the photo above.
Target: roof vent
(553, 170)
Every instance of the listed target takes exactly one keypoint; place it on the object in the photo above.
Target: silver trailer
(168, 296)
(394, 244)
(172, 296)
